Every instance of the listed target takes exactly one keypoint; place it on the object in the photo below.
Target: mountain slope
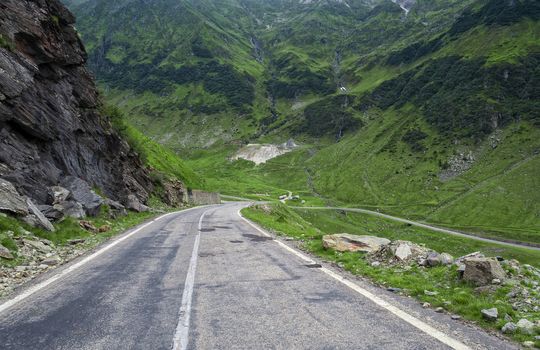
(424, 108)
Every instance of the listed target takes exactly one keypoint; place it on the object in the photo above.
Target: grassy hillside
(164, 163)
(430, 115)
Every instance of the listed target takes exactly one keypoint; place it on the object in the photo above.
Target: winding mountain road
(206, 278)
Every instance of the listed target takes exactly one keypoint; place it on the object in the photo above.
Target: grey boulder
(51, 212)
(71, 209)
(482, 271)
(5, 253)
(10, 200)
(36, 217)
(509, 328)
(490, 314)
(133, 203)
(82, 192)
(525, 326)
(58, 194)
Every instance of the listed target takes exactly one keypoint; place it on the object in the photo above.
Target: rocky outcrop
(344, 242)
(50, 124)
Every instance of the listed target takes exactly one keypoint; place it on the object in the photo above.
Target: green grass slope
(430, 115)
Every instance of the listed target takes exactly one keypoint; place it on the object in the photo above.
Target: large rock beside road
(525, 326)
(71, 209)
(490, 314)
(344, 242)
(133, 203)
(36, 217)
(482, 271)
(10, 200)
(82, 193)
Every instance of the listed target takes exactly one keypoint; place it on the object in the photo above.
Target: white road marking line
(181, 336)
(74, 267)
(424, 327)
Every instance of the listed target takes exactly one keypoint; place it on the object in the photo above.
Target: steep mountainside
(425, 108)
(50, 123)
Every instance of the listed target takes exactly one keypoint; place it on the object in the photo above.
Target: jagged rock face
(50, 126)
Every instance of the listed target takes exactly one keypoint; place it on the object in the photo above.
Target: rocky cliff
(50, 124)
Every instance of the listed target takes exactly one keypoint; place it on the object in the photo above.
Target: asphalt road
(207, 279)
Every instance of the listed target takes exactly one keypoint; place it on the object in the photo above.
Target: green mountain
(427, 109)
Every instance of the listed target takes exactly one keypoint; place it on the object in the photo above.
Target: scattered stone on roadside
(490, 314)
(455, 317)
(446, 259)
(54, 260)
(496, 281)
(376, 264)
(76, 241)
(88, 226)
(439, 309)
(393, 289)
(509, 328)
(426, 305)
(433, 259)
(528, 344)
(461, 259)
(525, 326)
(481, 271)
(38, 245)
(344, 242)
(430, 293)
(5, 253)
(403, 251)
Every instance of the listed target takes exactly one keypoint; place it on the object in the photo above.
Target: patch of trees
(292, 78)
(414, 138)
(499, 12)
(199, 49)
(216, 78)
(329, 116)
(414, 51)
(464, 97)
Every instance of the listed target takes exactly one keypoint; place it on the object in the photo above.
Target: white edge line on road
(433, 332)
(181, 336)
(25, 294)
